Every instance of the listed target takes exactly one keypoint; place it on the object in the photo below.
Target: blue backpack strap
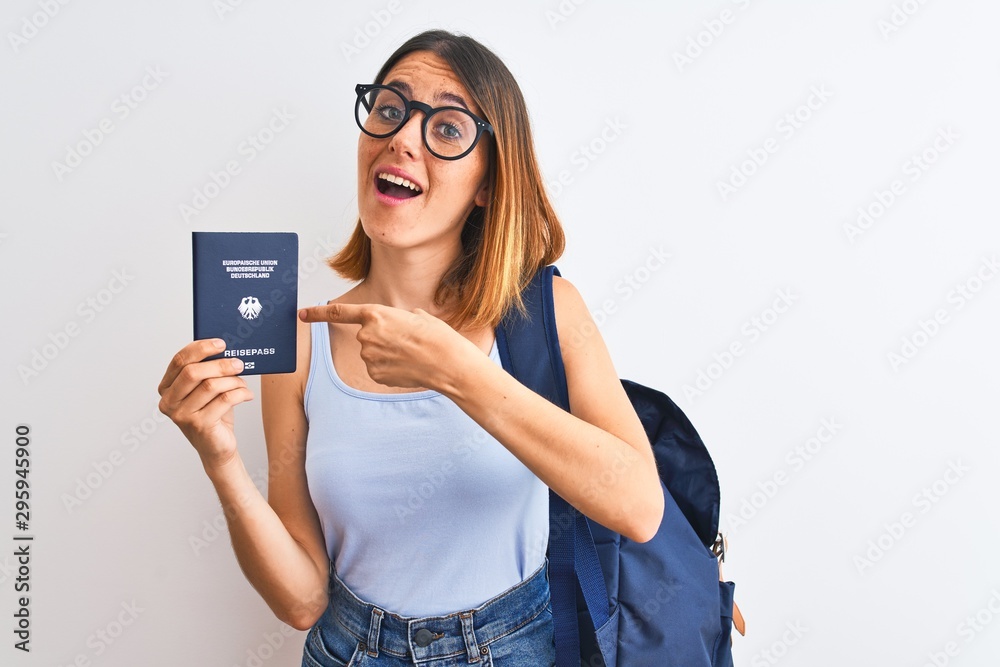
(525, 344)
(529, 350)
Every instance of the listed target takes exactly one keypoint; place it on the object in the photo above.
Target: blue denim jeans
(514, 629)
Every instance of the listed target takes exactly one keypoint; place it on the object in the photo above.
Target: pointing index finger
(347, 313)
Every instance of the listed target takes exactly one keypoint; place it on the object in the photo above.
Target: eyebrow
(451, 98)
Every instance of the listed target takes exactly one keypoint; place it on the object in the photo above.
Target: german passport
(246, 293)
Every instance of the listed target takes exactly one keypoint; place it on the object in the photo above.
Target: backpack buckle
(719, 548)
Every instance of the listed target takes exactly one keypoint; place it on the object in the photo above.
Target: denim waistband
(434, 637)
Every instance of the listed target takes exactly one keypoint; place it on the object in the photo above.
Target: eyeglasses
(449, 133)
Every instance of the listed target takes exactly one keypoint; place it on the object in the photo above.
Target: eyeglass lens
(448, 132)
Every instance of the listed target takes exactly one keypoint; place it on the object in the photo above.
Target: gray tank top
(424, 512)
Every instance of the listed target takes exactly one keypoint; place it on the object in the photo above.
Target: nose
(409, 137)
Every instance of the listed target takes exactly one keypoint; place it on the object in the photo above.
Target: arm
(597, 456)
(278, 543)
(280, 547)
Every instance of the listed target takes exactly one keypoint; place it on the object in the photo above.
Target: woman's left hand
(400, 348)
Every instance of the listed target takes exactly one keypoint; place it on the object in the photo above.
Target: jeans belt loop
(373, 631)
(471, 646)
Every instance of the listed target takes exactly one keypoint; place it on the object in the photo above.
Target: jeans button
(423, 637)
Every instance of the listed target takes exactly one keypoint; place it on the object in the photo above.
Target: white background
(892, 77)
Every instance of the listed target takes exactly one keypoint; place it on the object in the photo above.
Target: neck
(406, 279)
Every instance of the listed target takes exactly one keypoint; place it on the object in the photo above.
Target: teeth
(399, 180)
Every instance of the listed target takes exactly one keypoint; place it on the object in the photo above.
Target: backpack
(618, 603)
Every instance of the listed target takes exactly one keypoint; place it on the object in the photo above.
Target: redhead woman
(406, 518)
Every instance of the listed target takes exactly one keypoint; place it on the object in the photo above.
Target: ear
(483, 196)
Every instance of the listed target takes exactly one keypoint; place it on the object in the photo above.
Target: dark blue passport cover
(246, 293)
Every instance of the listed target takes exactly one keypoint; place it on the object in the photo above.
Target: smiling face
(408, 198)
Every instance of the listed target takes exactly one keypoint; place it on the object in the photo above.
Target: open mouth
(396, 186)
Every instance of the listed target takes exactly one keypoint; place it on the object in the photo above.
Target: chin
(386, 233)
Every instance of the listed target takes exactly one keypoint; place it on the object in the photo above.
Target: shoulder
(566, 298)
(573, 319)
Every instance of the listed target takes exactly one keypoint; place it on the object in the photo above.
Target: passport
(246, 288)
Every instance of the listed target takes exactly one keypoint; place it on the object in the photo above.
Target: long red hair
(517, 232)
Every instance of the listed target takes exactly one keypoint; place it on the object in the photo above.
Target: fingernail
(237, 364)
(219, 343)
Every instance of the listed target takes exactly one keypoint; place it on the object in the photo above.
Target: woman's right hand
(199, 397)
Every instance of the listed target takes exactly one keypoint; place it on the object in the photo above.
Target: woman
(406, 517)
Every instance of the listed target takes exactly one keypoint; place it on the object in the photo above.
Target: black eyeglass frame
(363, 89)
